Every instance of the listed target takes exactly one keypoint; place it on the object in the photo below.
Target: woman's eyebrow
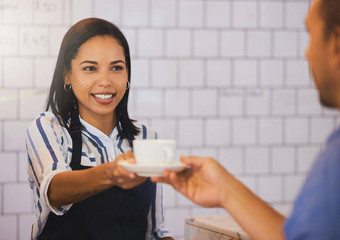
(118, 61)
(96, 63)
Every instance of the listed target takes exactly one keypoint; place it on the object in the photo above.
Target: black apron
(112, 214)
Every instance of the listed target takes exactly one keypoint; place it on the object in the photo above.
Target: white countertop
(213, 227)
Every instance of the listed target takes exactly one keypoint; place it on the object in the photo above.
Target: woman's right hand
(120, 176)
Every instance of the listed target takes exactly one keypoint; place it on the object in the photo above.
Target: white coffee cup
(154, 151)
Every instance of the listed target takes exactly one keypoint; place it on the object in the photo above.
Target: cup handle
(169, 154)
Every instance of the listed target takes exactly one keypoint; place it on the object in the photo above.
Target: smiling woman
(80, 190)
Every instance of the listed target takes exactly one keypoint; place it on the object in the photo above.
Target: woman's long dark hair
(62, 103)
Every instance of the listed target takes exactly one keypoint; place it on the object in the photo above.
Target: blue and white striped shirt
(49, 150)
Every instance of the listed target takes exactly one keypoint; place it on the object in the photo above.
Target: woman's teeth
(103, 96)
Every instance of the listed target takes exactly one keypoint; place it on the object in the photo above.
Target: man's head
(323, 52)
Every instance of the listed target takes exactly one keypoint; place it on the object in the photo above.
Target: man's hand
(202, 183)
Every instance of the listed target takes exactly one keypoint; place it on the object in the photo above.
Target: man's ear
(335, 38)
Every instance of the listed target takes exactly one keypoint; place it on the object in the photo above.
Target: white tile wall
(135, 12)
(226, 79)
(218, 14)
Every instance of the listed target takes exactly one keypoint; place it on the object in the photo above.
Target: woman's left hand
(121, 177)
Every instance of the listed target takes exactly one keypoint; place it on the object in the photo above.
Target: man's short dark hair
(330, 12)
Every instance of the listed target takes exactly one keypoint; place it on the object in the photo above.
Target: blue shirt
(316, 213)
(49, 151)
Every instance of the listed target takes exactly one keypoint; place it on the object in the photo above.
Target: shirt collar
(96, 132)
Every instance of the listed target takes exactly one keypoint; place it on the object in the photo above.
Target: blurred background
(225, 78)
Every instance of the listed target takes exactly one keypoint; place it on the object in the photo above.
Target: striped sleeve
(47, 155)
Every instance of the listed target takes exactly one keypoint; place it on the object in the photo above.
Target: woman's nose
(104, 81)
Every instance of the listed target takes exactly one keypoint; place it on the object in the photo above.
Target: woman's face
(98, 77)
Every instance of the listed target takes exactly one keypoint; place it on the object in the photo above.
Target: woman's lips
(103, 98)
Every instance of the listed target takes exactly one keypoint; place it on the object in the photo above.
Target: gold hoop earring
(128, 85)
(67, 87)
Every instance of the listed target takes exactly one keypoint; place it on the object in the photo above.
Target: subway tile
(232, 44)
(23, 176)
(190, 13)
(245, 73)
(271, 73)
(56, 37)
(285, 44)
(256, 160)
(204, 103)
(81, 9)
(164, 73)
(190, 132)
(205, 43)
(191, 73)
(148, 103)
(150, 43)
(109, 10)
(257, 102)
(244, 14)
(31, 103)
(321, 129)
(1, 134)
(172, 98)
(178, 43)
(9, 40)
(295, 14)
(244, 131)
(283, 101)
(34, 41)
(17, 11)
(131, 37)
(163, 13)
(8, 106)
(296, 130)
(231, 103)
(8, 226)
(48, 12)
(169, 196)
(217, 132)
(205, 152)
(8, 170)
(270, 131)
(218, 73)
(271, 14)
(298, 73)
(14, 133)
(202, 211)
(135, 12)
(303, 43)
(25, 225)
(232, 159)
(259, 43)
(22, 78)
(13, 203)
(43, 72)
(306, 156)
(283, 159)
(270, 188)
(217, 14)
(308, 102)
(293, 184)
(140, 73)
(165, 128)
(175, 220)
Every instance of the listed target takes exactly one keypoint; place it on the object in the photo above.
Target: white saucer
(152, 170)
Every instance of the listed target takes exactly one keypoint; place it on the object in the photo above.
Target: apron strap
(75, 132)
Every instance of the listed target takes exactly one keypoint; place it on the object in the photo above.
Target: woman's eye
(90, 68)
(117, 68)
